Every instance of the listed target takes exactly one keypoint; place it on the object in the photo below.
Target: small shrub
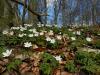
(13, 64)
(97, 58)
(96, 44)
(88, 62)
(71, 67)
(45, 68)
(2, 49)
(49, 63)
(81, 57)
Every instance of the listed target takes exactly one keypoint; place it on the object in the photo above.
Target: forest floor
(50, 50)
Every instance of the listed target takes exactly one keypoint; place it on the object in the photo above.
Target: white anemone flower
(30, 35)
(41, 33)
(33, 30)
(27, 44)
(5, 32)
(24, 34)
(7, 53)
(59, 37)
(58, 58)
(73, 38)
(28, 25)
(69, 29)
(20, 35)
(56, 25)
(78, 33)
(23, 28)
(98, 34)
(60, 33)
(48, 25)
(51, 32)
(48, 39)
(44, 31)
(15, 28)
(74, 32)
(42, 25)
(88, 39)
(39, 24)
(36, 34)
(52, 41)
(11, 33)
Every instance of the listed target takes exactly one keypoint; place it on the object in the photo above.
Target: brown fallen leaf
(6, 61)
(69, 55)
(35, 70)
(34, 46)
(62, 62)
(40, 49)
(2, 69)
(20, 56)
(26, 69)
(23, 65)
(13, 73)
(2, 63)
(57, 72)
(36, 56)
(28, 73)
(5, 73)
(66, 73)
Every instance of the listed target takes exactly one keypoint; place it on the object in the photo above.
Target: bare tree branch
(29, 9)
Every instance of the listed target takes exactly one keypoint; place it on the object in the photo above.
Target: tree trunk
(24, 12)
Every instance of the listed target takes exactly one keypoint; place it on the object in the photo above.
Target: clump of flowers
(46, 36)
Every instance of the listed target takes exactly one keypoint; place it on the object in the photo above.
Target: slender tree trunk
(63, 11)
(45, 11)
(94, 11)
(24, 12)
(1, 8)
(55, 12)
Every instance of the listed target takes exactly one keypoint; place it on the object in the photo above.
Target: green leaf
(70, 66)
(46, 68)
